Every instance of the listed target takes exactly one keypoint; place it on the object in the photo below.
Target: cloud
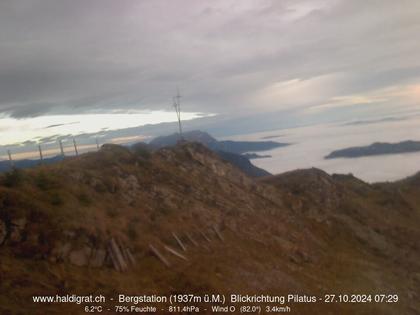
(407, 96)
(39, 128)
(228, 57)
(59, 125)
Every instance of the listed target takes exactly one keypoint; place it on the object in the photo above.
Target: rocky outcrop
(80, 257)
(324, 230)
(130, 185)
(17, 228)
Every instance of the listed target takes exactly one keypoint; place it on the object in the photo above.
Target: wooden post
(130, 256)
(179, 242)
(61, 147)
(219, 235)
(40, 153)
(117, 256)
(191, 239)
(114, 259)
(12, 164)
(75, 147)
(205, 236)
(207, 248)
(175, 253)
(159, 255)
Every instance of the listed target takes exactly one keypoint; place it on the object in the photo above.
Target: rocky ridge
(87, 224)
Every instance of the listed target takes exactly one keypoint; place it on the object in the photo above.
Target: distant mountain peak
(194, 135)
(232, 151)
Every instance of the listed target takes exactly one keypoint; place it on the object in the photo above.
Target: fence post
(40, 153)
(12, 164)
(61, 147)
(75, 147)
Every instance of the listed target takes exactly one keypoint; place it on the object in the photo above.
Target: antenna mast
(61, 147)
(177, 106)
(12, 164)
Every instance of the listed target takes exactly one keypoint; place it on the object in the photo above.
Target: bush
(84, 199)
(44, 181)
(141, 150)
(56, 199)
(13, 178)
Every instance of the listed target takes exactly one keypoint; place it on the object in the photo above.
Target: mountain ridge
(376, 148)
(236, 152)
(237, 147)
(303, 231)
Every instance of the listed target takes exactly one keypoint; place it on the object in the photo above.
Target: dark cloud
(59, 125)
(79, 56)
(28, 110)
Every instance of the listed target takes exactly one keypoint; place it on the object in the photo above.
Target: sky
(106, 68)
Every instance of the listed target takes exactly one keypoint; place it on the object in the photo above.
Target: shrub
(84, 199)
(13, 178)
(141, 150)
(44, 181)
(56, 199)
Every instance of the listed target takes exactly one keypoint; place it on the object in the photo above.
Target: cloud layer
(227, 56)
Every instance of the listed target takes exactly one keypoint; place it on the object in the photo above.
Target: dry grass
(301, 233)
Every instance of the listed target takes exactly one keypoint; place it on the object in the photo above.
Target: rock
(69, 234)
(16, 229)
(3, 232)
(80, 257)
(130, 185)
(15, 235)
(62, 251)
(19, 223)
(132, 182)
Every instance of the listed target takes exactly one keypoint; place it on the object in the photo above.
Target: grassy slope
(301, 232)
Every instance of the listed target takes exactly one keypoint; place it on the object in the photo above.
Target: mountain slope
(300, 232)
(243, 164)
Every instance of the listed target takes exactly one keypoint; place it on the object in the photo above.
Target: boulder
(61, 251)
(17, 227)
(130, 185)
(80, 257)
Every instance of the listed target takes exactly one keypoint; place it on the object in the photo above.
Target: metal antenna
(61, 147)
(12, 164)
(40, 153)
(177, 106)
